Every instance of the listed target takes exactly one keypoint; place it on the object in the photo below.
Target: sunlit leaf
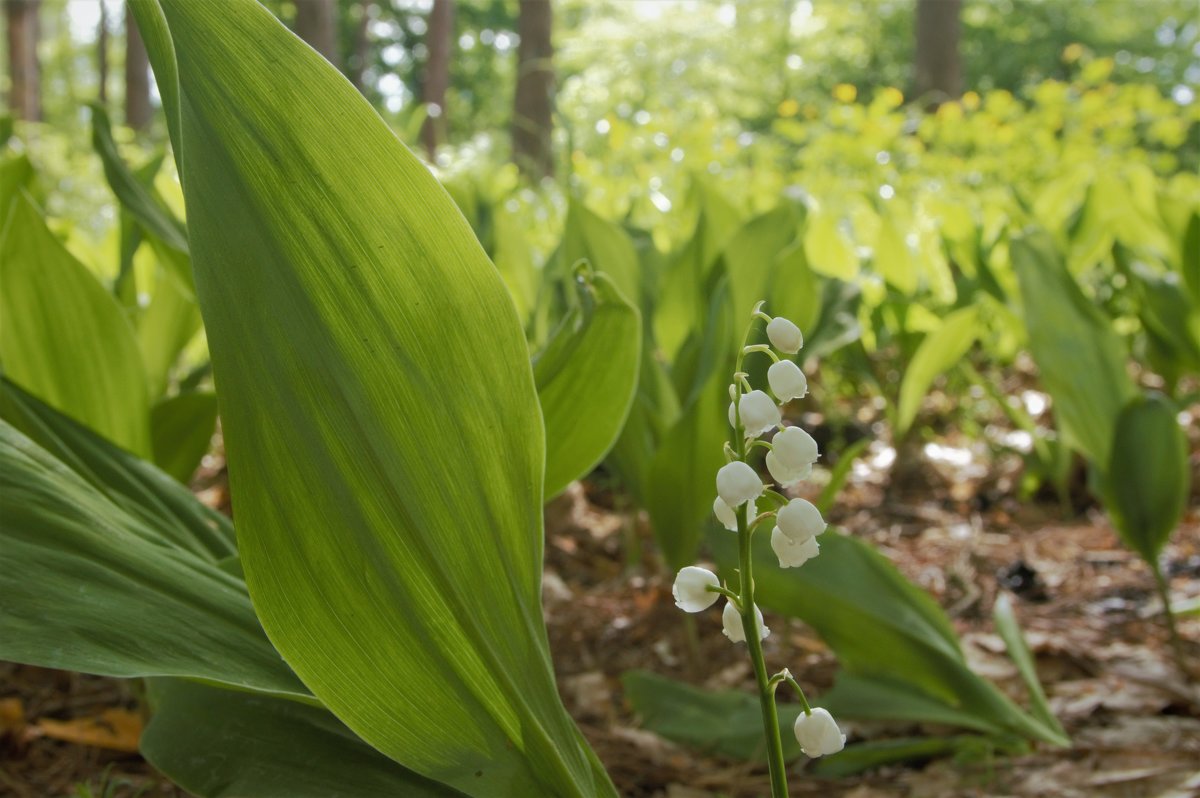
(938, 352)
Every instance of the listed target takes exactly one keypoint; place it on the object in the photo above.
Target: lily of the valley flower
(728, 516)
(793, 452)
(787, 381)
(731, 622)
(738, 483)
(800, 520)
(818, 733)
(784, 335)
(691, 589)
(759, 413)
(790, 553)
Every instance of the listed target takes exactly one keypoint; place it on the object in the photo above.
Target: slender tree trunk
(316, 23)
(138, 113)
(362, 47)
(102, 55)
(533, 105)
(439, 42)
(937, 69)
(25, 97)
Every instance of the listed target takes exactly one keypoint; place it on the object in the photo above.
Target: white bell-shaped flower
(793, 452)
(787, 381)
(800, 520)
(691, 589)
(759, 413)
(790, 553)
(731, 623)
(818, 733)
(738, 483)
(784, 336)
(728, 516)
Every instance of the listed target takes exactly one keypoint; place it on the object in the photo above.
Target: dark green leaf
(182, 428)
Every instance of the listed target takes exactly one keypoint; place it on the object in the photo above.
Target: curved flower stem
(766, 691)
(1164, 593)
(762, 348)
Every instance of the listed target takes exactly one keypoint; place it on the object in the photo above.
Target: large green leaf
(751, 253)
(605, 246)
(887, 634)
(938, 353)
(89, 587)
(1147, 481)
(384, 441)
(226, 744)
(182, 428)
(170, 321)
(586, 378)
(134, 485)
(65, 338)
(1080, 359)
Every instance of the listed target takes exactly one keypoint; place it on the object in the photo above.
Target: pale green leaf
(937, 354)
(605, 246)
(828, 249)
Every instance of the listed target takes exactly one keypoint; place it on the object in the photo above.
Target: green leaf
(135, 197)
(681, 481)
(868, 756)
(1081, 360)
(89, 587)
(888, 635)
(605, 246)
(723, 722)
(586, 378)
(893, 259)
(828, 249)
(1148, 479)
(384, 441)
(134, 485)
(1190, 260)
(64, 337)
(839, 474)
(16, 173)
(170, 321)
(938, 353)
(225, 744)
(793, 290)
(1018, 651)
(750, 257)
(182, 428)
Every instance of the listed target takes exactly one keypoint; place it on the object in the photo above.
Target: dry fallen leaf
(114, 729)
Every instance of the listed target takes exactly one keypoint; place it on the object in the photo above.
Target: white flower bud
(784, 335)
(790, 553)
(731, 623)
(759, 413)
(793, 451)
(787, 381)
(691, 589)
(800, 520)
(738, 483)
(728, 516)
(818, 733)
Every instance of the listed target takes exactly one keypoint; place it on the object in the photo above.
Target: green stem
(1164, 592)
(766, 691)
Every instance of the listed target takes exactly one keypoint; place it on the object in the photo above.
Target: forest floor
(1087, 606)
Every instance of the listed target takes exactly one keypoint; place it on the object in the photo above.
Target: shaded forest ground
(1087, 606)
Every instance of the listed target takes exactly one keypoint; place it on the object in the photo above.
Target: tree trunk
(25, 97)
(439, 42)
(138, 113)
(532, 125)
(316, 23)
(937, 69)
(102, 56)
(362, 47)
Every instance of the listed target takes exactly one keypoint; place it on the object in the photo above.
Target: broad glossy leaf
(133, 194)
(1148, 479)
(884, 631)
(64, 337)
(182, 429)
(750, 257)
(170, 321)
(605, 246)
(893, 259)
(1080, 359)
(586, 378)
(828, 249)
(226, 744)
(794, 291)
(381, 425)
(89, 587)
(724, 722)
(938, 353)
(134, 485)
(868, 756)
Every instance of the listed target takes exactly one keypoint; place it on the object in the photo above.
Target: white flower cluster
(797, 523)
